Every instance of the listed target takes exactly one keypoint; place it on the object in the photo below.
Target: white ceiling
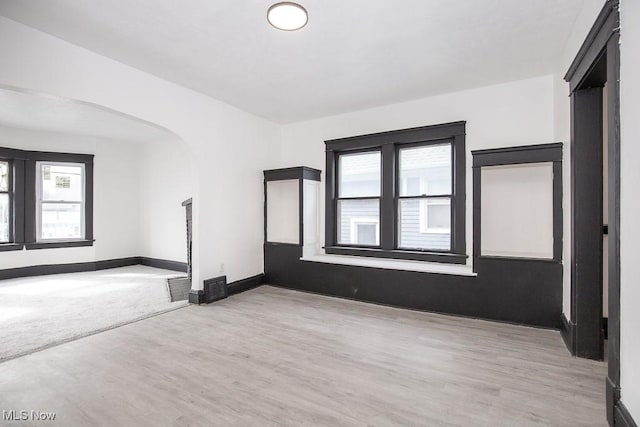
(27, 110)
(352, 54)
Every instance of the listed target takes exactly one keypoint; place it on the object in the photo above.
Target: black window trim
(389, 143)
(508, 156)
(11, 192)
(24, 200)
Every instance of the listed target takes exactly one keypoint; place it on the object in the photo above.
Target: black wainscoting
(526, 292)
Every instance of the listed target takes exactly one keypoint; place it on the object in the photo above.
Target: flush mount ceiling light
(287, 16)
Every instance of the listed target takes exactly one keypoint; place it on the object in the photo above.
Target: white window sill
(393, 264)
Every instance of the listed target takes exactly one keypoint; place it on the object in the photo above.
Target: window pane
(4, 218)
(425, 170)
(4, 176)
(425, 224)
(61, 221)
(359, 174)
(359, 222)
(62, 182)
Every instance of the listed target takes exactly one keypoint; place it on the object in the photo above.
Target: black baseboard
(164, 264)
(78, 267)
(199, 296)
(622, 417)
(612, 397)
(115, 263)
(196, 296)
(568, 333)
(245, 284)
(41, 270)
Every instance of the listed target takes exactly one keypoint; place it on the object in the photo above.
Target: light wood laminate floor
(271, 356)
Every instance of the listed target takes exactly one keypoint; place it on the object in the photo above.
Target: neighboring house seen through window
(398, 194)
(60, 201)
(424, 207)
(359, 198)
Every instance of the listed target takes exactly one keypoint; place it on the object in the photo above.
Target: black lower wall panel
(519, 291)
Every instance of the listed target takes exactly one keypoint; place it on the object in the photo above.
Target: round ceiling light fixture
(287, 16)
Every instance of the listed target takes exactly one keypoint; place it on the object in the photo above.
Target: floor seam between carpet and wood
(88, 334)
(42, 312)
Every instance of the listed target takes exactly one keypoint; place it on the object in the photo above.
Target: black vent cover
(215, 289)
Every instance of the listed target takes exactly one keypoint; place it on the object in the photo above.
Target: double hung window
(60, 189)
(46, 199)
(398, 194)
(6, 202)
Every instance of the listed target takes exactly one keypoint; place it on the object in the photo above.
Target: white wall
(228, 147)
(509, 114)
(630, 205)
(138, 191)
(165, 182)
(630, 175)
(115, 169)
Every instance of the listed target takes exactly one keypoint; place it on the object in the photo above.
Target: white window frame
(355, 221)
(40, 201)
(424, 217)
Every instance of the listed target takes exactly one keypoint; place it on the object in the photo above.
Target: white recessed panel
(283, 211)
(517, 211)
(310, 218)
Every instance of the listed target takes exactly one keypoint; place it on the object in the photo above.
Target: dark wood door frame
(597, 62)
(188, 204)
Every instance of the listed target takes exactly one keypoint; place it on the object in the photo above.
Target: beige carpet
(38, 312)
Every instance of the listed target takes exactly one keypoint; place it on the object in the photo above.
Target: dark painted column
(586, 190)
